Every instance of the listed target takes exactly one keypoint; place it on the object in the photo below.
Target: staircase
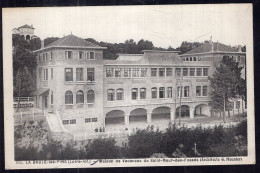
(54, 122)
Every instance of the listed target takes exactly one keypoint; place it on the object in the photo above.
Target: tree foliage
(24, 64)
(224, 83)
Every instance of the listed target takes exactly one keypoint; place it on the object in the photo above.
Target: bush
(144, 143)
(103, 149)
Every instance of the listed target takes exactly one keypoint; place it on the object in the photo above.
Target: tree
(187, 46)
(144, 45)
(50, 40)
(24, 64)
(224, 84)
(23, 84)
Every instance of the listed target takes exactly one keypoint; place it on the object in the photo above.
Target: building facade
(26, 31)
(88, 92)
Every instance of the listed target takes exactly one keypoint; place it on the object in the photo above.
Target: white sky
(164, 25)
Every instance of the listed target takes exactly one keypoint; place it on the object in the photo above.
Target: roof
(26, 26)
(160, 51)
(40, 91)
(72, 40)
(217, 47)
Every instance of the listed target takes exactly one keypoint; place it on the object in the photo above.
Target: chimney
(239, 48)
(42, 44)
(32, 26)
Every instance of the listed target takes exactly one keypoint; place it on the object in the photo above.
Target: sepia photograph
(124, 86)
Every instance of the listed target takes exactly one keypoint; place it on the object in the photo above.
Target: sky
(164, 25)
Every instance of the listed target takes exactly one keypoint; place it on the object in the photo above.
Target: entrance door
(46, 102)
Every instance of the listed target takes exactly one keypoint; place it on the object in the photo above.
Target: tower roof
(72, 41)
(26, 26)
(211, 47)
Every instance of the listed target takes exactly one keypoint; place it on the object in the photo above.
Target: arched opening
(138, 115)
(202, 110)
(185, 111)
(114, 117)
(161, 113)
(27, 37)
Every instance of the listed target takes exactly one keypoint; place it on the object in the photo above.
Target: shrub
(144, 143)
(103, 149)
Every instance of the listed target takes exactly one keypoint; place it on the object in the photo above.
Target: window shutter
(66, 55)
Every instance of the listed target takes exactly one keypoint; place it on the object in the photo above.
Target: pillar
(172, 115)
(126, 119)
(191, 113)
(149, 117)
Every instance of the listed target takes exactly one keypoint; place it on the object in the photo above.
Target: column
(172, 115)
(149, 117)
(126, 119)
(191, 113)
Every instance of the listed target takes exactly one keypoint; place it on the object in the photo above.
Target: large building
(85, 91)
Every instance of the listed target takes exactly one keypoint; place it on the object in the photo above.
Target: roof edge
(73, 47)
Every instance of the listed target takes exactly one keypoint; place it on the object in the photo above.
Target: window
(199, 70)
(185, 71)
(65, 122)
(51, 56)
(52, 73)
(178, 72)
(68, 74)
(91, 74)
(168, 71)
(190, 58)
(135, 72)
(154, 92)
(143, 93)
(80, 97)
(186, 91)
(91, 55)
(143, 72)
(205, 71)
(110, 95)
(40, 73)
(192, 71)
(118, 72)
(87, 120)
(169, 92)
(120, 94)
(237, 104)
(68, 54)
(90, 96)
(194, 59)
(45, 74)
(134, 93)
(238, 59)
(199, 58)
(205, 90)
(80, 55)
(198, 90)
(39, 58)
(73, 121)
(79, 74)
(109, 72)
(45, 56)
(187, 59)
(51, 97)
(153, 72)
(94, 119)
(161, 72)
(68, 97)
(127, 72)
(161, 92)
(179, 91)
